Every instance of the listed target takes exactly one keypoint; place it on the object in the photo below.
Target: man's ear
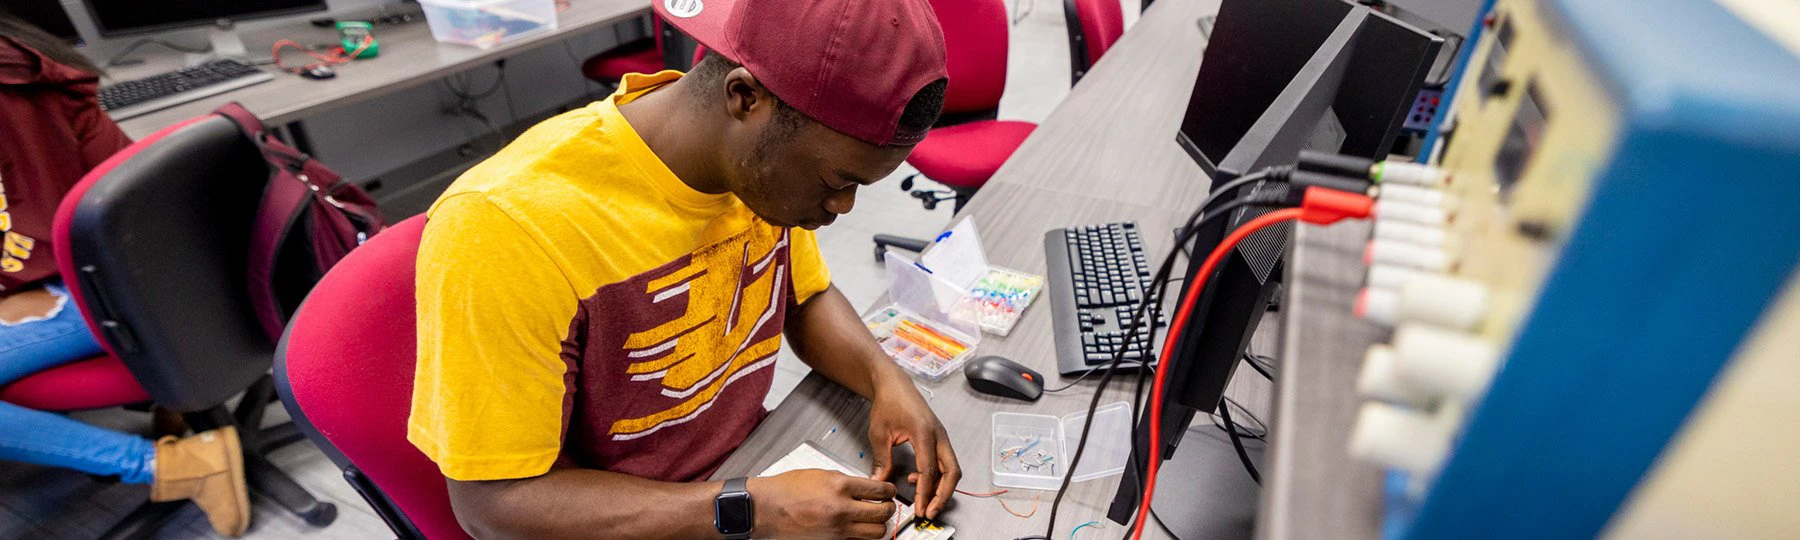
(744, 95)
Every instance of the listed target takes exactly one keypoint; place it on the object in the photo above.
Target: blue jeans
(43, 438)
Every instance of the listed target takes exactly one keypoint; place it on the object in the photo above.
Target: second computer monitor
(124, 17)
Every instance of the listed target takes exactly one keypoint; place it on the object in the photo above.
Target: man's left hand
(898, 415)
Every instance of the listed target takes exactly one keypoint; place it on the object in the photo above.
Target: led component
(1399, 438)
(1444, 301)
(1443, 362)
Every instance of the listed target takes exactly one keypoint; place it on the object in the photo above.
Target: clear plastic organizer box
(487, 23)
(1032, 451)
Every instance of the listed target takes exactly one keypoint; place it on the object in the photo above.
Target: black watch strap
(733, 510)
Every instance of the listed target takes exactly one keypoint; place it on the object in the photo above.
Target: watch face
(733, 513)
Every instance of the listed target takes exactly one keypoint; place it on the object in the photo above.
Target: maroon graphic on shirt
(668, 369)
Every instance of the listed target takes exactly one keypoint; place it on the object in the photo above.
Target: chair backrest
(1094, 25)
(975, 41)
(345, 373)
(153, 245)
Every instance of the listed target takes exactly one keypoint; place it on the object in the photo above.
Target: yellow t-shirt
(579, 305)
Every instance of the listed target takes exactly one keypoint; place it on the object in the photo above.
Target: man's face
(793, 171)
(804, 174)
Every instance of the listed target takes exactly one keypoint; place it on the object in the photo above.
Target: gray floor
(45, 503)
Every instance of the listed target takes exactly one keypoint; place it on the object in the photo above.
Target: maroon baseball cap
(850, 64)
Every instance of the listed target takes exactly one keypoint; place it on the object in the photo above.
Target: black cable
(1251, 360)
(1260, 431)
(1238, 443)
(1159, 282)
(468, 101)
(120, 60)
(1263, 361)
(1085, 374)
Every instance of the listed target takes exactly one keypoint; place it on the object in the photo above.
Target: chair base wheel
(321, 515)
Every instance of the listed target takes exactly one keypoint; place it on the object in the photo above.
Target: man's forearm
(829, 336)
(581, 503)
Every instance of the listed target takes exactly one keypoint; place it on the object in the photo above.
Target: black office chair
(154, 246)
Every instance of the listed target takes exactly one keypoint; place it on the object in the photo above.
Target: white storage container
(1045, 444)
(486, 23)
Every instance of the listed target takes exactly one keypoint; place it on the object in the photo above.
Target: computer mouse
(997, 376)
(319, 73)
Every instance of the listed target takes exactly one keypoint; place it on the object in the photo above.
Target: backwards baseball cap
(852, 65)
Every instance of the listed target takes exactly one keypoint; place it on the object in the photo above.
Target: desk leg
(294, 133)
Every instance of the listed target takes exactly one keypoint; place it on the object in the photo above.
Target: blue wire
(1081, 526)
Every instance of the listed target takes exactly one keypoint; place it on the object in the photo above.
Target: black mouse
(994, 375)
(319, 73)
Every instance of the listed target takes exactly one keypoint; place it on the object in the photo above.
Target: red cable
(1321, 206)
(334, 57)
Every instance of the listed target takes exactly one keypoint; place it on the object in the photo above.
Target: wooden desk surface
(409, 57)
(1107, 153)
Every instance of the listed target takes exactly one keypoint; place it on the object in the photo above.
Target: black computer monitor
(47, 15)
(1349, 94)
(1255, 48)
(125, 17)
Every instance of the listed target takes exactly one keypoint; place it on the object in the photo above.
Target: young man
(600, 304)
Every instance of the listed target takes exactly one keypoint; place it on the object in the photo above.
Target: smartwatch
(733, 514)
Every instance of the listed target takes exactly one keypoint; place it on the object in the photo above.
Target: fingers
(872, 531)
(926, 450)
(952, 473)
(866, 489)
(871, 511)
(881, 453)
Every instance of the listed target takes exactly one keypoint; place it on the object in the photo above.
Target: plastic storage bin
(1032, 451)
(486, 23)
(921, 357)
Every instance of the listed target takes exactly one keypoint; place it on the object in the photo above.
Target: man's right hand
(815, 503)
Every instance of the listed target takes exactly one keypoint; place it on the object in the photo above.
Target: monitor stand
(225, 43)
(1203, 491)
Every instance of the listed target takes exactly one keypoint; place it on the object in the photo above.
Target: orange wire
(985, 495)
(1028, 513)
(334, 58)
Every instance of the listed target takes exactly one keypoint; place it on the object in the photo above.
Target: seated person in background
(52, 132)
(600, 304)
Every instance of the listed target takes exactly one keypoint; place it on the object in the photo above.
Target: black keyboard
(131, 98)
(1097, 275)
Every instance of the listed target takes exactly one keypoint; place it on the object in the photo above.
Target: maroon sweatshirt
(52, 132)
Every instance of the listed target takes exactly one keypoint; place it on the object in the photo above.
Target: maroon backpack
(308, 220)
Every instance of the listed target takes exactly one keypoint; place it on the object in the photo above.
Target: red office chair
(969, 144)
(647, 55)
(153, 245)
(1094, 25)
(345, 372)
(101, 382)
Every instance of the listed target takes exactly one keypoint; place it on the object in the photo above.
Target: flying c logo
(683, 8)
